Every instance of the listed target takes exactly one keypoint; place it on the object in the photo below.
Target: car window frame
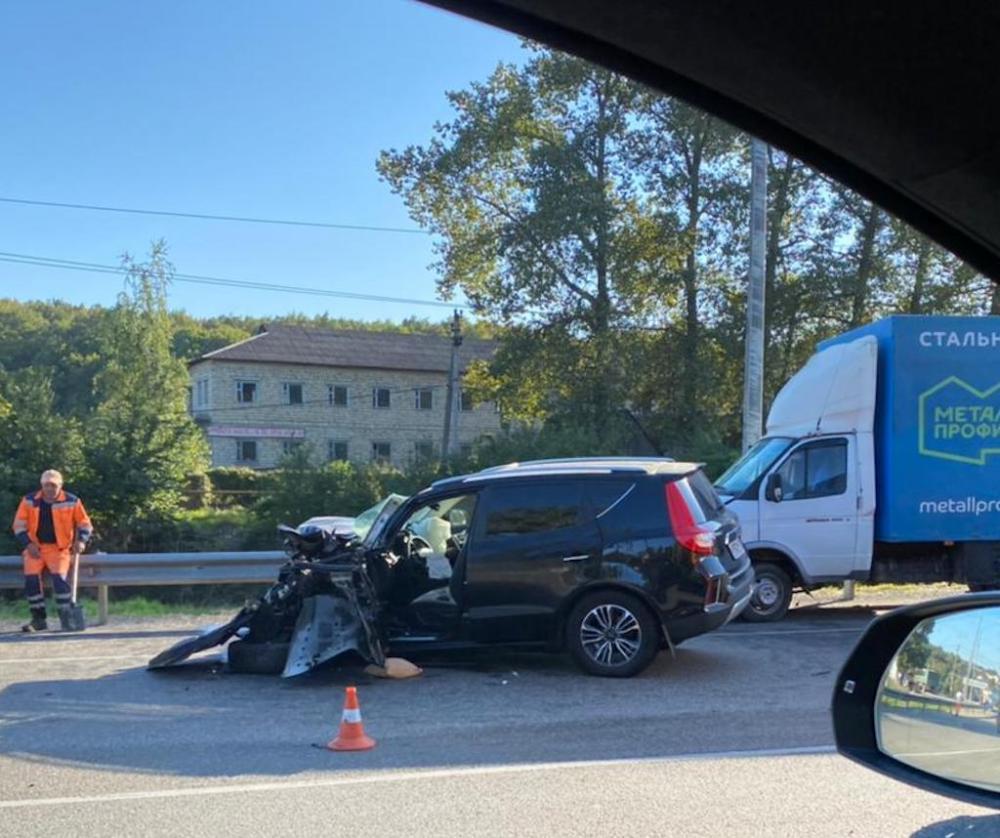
(584, 514)
(806, 447)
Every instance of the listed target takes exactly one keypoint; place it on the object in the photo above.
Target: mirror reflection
(938, 707)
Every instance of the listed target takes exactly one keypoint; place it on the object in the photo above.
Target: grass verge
(139, 606)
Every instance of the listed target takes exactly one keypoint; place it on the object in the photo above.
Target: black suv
(609, 558)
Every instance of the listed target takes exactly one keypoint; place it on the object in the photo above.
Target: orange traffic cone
(351, 736)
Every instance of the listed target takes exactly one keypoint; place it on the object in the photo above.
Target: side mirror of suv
(774, 490)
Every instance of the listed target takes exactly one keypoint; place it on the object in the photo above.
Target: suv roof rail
(613, 462)
(576, 466)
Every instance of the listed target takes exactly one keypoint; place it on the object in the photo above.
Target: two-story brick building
(350, 395)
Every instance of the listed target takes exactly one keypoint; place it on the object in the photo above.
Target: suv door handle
(576, 558)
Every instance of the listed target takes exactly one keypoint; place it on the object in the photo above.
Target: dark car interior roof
(895, 99)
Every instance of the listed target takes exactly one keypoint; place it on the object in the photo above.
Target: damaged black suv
(611, 559)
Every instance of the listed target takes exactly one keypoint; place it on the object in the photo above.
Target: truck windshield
(741, 474)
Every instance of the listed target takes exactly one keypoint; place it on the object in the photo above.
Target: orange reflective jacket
(69, 519)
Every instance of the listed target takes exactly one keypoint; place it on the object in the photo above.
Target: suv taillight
(697, 539)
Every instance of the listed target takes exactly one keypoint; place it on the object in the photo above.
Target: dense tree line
(101, 394)
(599, 231)
(604, 227)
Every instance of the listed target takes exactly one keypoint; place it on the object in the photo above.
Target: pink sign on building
(256, 433)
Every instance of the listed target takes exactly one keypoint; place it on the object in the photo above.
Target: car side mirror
(919, 697)
(774, 490)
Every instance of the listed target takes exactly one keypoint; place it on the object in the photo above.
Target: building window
(293, 393)
(201, 393)
(290, 446)
(246, 392)
(381, 397)
(424, 398)
(423, 451)
(336, 450)
(246, 451)
(381, 452)
(337, 395)
(467, 404)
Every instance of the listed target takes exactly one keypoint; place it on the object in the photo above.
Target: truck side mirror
(774, 490)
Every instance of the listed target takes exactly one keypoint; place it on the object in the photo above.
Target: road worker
(52, 528)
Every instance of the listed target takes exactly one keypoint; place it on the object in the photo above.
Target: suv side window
(816, 470)
(546, 506)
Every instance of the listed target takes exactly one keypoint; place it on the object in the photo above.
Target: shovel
(76, 621)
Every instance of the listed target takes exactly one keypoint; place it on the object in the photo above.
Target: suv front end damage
(330, 624)
(323, 605)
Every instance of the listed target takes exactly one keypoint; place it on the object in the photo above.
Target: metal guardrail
(104, 571)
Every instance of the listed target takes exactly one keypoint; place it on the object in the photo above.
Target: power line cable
(198, 279)
(368, 228)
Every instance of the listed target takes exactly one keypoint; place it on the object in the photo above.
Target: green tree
(33, 437)
(141, 442)
(540, 223)
(694, 165)
(64, 339)
(916, 652)
(301, 490)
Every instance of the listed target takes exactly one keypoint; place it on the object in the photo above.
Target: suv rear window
(523, 509)
(704, 495)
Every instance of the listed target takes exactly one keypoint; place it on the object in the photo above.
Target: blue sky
(262, 108)
(957, 633)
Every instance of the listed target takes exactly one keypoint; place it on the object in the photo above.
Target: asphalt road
(964, 749)
(731, 737)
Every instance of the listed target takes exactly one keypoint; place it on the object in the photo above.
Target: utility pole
(451, 408)
(753, 366)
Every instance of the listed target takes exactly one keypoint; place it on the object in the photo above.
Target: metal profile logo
(959, 422)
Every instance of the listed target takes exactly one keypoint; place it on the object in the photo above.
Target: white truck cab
(805, 493)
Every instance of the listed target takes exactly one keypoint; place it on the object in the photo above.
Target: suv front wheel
(612, 633)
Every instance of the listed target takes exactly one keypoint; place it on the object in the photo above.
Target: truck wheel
(257, 658)
(612, 633)
(772, 594)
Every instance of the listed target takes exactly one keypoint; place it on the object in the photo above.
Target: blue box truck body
(937, 427)
(880, 462)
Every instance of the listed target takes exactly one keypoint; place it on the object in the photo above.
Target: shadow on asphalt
(981, 827)
(488, 707)
(198, 720)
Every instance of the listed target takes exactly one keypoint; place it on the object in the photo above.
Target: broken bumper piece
(326, 625)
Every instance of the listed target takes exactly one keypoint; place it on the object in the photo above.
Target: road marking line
(409, 776)
(75, 658)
